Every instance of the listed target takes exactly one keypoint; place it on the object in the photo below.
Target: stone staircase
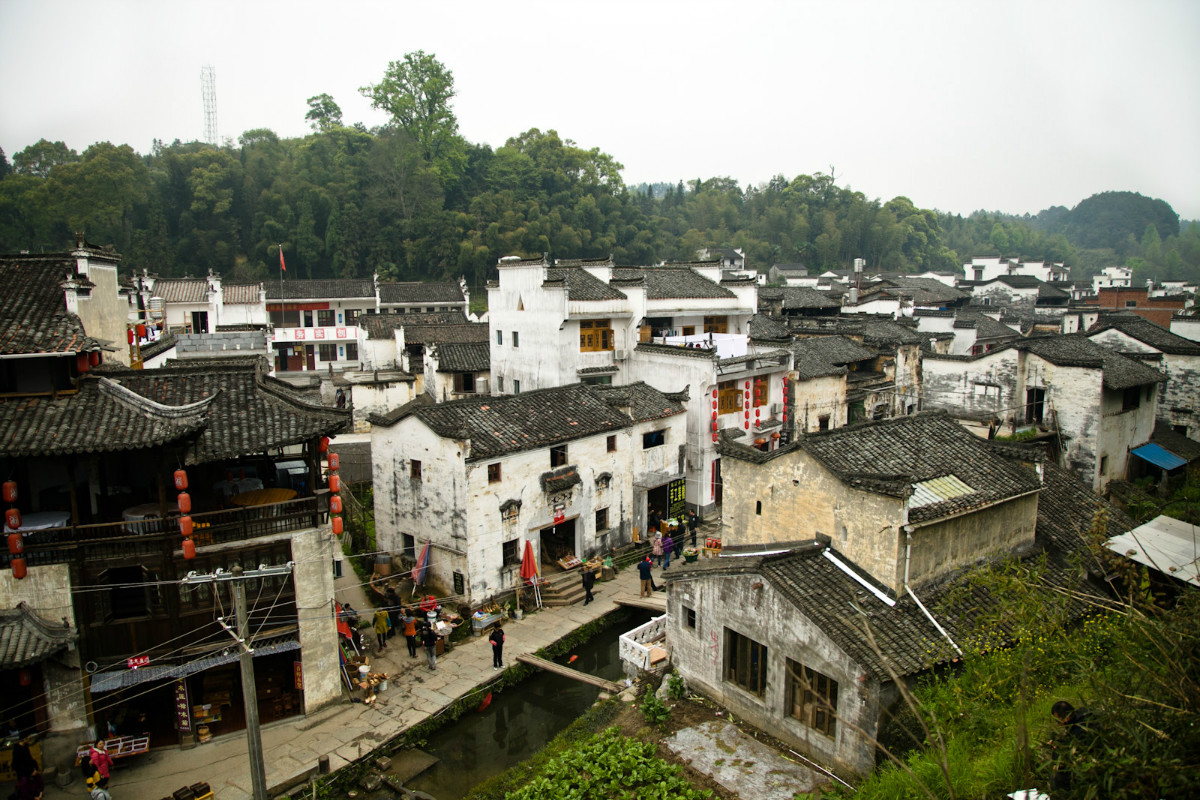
(563, 590)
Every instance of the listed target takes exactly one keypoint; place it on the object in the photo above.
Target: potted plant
(690, 554)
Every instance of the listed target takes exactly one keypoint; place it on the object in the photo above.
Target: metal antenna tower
(208, 83)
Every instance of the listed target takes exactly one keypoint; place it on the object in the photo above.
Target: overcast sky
(964, 105)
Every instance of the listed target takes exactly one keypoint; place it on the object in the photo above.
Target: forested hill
(416, 201)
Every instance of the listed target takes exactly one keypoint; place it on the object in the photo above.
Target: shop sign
(183, 719)
(299, 334)
(341, 333)
(137, 661)
(460, 583)
(298, 669)
(676, 502)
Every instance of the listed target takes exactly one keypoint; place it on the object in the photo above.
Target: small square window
(601, 520)
(654, 439)
(509, 552)
(352, 352)
(758, 508)
(516, 386)
(558, 456)
(494, 473)
(415, 470)
(516, 337)
(689, 617)
(499, 337)
(612, 444)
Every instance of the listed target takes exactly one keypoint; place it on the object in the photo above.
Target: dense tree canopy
(414, 200)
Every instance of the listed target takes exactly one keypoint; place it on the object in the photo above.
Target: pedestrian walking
(668, 547)
(497, 639)
(96, 791)
(656, 547)
(429, 639)
(381, 627)
(589, 580)
(677, 537)
(644, 572)
(101, 762)
(393, 608)
(693, 524)
(409, 621)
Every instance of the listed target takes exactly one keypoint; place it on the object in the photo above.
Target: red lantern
(81, 362)
(185, 527)
(10, 491)
(180, 480)
(16, 544)
(12, 518)
(189, 549)
(324, 445)
(130, 335)
(747, 384)
(337, 526)
(141, 331)
(25, 677)
(94, 358)
(334, 462)
(335, 484)
(714, 393)
(18, 568)
(242, 475)
(229, 475)
(714, 437)
(714, 416)
(335, 504)
(185, 503)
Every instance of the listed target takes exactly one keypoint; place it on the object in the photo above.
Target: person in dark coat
(645, 572)
(23, 762)
(589, 580)
(429, 640)
(497, 639)
(693, 524)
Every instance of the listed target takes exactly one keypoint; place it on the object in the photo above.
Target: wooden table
(263, 497)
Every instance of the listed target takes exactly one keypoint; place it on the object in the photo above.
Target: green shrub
(653, 709)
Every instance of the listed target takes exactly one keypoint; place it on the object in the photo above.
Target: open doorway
(558, 541)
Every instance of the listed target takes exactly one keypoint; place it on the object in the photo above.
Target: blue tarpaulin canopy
(1158, 456)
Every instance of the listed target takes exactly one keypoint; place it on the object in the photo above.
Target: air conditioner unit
(619, 354)
(776, 409)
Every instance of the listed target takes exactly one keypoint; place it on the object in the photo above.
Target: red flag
(282, 265)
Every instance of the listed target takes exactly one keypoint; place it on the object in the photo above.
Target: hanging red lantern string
(335, 484)
(337, 526)
(334, 462)
(324, 445)
(189, 549)
(18, 568)
(185, 527)
(335, 504)
(16, 544)
(10, 491)
(12, 518)
(180, 480)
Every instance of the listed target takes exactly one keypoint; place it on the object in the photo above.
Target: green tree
(42, 156)
(416, 92)
(323, 113)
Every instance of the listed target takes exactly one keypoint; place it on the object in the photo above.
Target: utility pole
(237, 578)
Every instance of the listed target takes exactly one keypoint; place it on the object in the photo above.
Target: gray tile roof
(583, 285)
(644, 401)
(497, 426)
(249, 412)
(1148, 333)
(159, 346)
(419, 292)
(829, 350)
(1076, 350)
(33, 310)
(383, 326)
(443, 334)
(463, 356)
(240, 294)
(797, 297)
(672, 350)
(889, 456)
(672, 283)
(764, 327)
(26, 638)
(182, 290)
(925, 290)
(1067, 507)
(320, 289)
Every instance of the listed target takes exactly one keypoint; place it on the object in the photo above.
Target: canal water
(522, 719)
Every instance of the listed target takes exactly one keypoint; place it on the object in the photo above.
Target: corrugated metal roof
(1159, 457)
(1168, 545)
(935, 490)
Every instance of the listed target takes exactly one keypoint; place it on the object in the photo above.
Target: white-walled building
(1099, 403)
(416, 297)
(562, 468)
(674, 326)
(987, 268)
(314, 323)
(1112, 278)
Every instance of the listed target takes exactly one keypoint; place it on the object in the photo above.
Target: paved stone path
(347, 731)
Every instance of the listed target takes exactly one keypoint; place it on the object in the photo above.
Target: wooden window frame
(493, 472)
(812, 698)
(595, 335)
(414, 469)
(746, 663)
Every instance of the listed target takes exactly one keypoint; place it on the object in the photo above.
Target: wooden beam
(559, 669)
(647, 605)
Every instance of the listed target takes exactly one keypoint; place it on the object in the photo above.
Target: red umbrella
(529, 572)
(418, 573)
(529, 569)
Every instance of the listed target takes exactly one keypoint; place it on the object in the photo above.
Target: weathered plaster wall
(943, 547)
(541, 358)
(761, 614)
(104, 312)
(312, 551)
(1122, 430)
(820, 397)
(1073, 401)
(981, 388)
(792, 497)
(378, 397)
(1179, 396)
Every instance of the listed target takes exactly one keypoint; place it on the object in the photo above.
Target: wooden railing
(149, 536)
